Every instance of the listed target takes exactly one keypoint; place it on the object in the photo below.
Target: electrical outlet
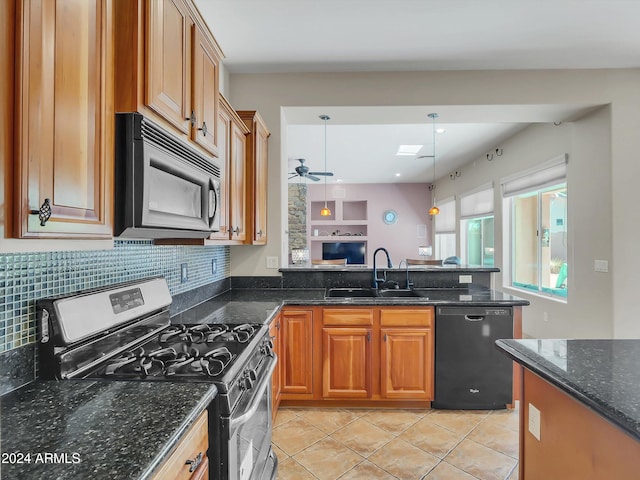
(465, 278)
(214, 266)
(601, 265)
(272, 262)
(184, 274)
(534, 421)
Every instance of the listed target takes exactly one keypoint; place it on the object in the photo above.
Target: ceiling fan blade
(324, 174)
(293, 176)
(311, 177)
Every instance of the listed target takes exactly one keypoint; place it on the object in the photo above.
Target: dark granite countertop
(601, 374)
(99, 430)
(368, 268)
(260, 305)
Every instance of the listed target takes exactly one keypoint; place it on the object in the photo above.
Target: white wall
(620, 88)
(588, 312)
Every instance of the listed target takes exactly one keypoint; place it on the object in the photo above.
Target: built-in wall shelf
(347, 217)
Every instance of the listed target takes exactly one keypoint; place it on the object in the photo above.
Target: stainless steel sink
(397, 292)
(370, 293)
(350, 292)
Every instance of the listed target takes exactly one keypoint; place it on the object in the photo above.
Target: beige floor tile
(283, 416)
(289, 469)
(444, 471)
(367, 471)
(393, 421)
(431, 437)
(329, 419)
(403, 460)
(458, 421)
(296, 435)
(279, 453)
(362, 437)
(506, 418)
(328, 459)
(497, 437)
(480, 461)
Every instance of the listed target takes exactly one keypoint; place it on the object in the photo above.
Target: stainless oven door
(177, 195)
(249, 442)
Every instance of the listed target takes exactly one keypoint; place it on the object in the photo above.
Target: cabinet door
(276, 387)
(406, 363)
(64, 146)
(297, 351)
(168, 61)
(224, 154)
(238, 185)
(346, 360)
(260, 184)
(205, 93)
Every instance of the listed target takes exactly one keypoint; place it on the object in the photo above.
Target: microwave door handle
(244, 417)
(213, 202)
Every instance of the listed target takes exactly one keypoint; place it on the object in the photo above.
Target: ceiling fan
(303, 171)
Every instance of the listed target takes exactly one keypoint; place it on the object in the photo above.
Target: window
(539, 246)
(476, 227)
(445, 228)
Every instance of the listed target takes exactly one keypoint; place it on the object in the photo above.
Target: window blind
(546, 175)
(446, 219)
(477, 203)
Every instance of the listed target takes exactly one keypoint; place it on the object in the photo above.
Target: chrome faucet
(409, 283)
(377, 280)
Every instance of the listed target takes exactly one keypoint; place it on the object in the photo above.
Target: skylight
(408, 149)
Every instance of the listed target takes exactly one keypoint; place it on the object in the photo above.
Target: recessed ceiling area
(362, 142)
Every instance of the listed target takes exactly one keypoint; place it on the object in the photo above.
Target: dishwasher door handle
(474, 318)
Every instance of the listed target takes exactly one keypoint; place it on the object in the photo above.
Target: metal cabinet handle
(44, 213)
(235, 231)
(192, 118)
(368, 336)
(203, 129)
(259, 233)
(194, 462)
(385, 337)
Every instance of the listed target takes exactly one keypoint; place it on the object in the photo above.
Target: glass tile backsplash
(27, 277)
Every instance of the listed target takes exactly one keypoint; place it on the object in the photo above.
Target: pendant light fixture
(432, 188)
(325, 212)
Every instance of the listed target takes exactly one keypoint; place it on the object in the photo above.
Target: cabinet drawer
(193, 443)
(347, 316)
(406, 317)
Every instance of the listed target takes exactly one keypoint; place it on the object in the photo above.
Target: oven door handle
(257, 397)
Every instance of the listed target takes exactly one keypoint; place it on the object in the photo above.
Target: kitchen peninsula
(580, 408)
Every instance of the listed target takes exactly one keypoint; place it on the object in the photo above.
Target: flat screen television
(354, 252)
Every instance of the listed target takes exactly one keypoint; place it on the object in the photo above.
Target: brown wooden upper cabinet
(167, 67)
(64, 119)
(257, 158)
(232, 140)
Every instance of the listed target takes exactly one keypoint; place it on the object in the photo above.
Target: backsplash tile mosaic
(27, 277)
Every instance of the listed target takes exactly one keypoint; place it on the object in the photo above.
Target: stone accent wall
(297, 215)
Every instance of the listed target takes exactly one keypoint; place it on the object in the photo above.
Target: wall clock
(390, 217)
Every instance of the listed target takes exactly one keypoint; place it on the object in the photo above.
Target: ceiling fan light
(434, 210)
(325, 212)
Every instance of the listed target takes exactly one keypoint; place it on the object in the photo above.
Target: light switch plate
(272, 262)
(184, 274)
(465, 278)
(601, 265)
(534, 421)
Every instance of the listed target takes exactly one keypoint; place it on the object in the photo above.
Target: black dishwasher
(470, 373)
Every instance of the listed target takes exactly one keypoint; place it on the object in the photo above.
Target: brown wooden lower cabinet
(189, 457)
(575, 442)
(357, 355)
(297, 351)
(346, 360)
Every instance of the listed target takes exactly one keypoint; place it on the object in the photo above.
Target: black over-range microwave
(163, 187)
